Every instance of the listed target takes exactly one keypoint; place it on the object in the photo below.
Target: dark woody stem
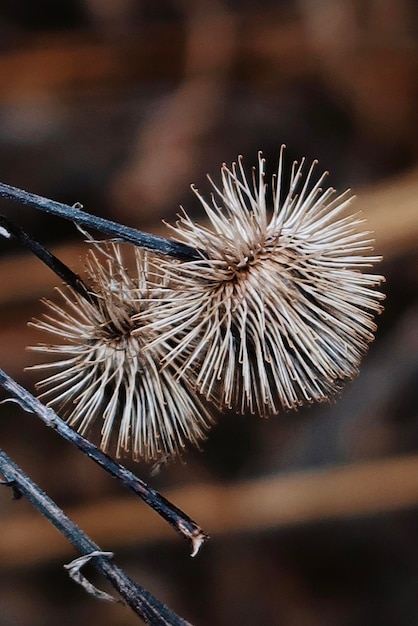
(132, 235)
(57, 266)
(143, 603)
(174, 516)
(179, 521)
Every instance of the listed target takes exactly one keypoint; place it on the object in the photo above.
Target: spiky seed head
(278, 311)
(102, 372)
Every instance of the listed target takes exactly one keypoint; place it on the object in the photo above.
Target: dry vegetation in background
(120, 106)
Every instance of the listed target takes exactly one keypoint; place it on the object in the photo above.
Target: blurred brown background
(121, 105)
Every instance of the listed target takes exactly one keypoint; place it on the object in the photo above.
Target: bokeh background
(120, 105)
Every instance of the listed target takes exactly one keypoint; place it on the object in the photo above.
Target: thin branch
(53, 262)
(181, 522)
(132, 235)
(151, 610)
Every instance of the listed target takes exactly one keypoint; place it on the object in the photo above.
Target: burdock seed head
(102, 372)
(278, 311)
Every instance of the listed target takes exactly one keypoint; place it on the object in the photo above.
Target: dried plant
(270, 306)
(103, 371)
(278, 310)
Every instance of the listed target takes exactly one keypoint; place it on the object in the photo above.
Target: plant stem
(181, 522)
(132, 235)
(53, 262)
(151, 610)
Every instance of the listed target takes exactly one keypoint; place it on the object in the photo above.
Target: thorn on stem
(16, 493)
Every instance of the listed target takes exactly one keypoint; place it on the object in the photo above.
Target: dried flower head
(278, 311)
(103, 372)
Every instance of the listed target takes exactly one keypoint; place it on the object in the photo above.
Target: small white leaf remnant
(74, 572)
(4, 232)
